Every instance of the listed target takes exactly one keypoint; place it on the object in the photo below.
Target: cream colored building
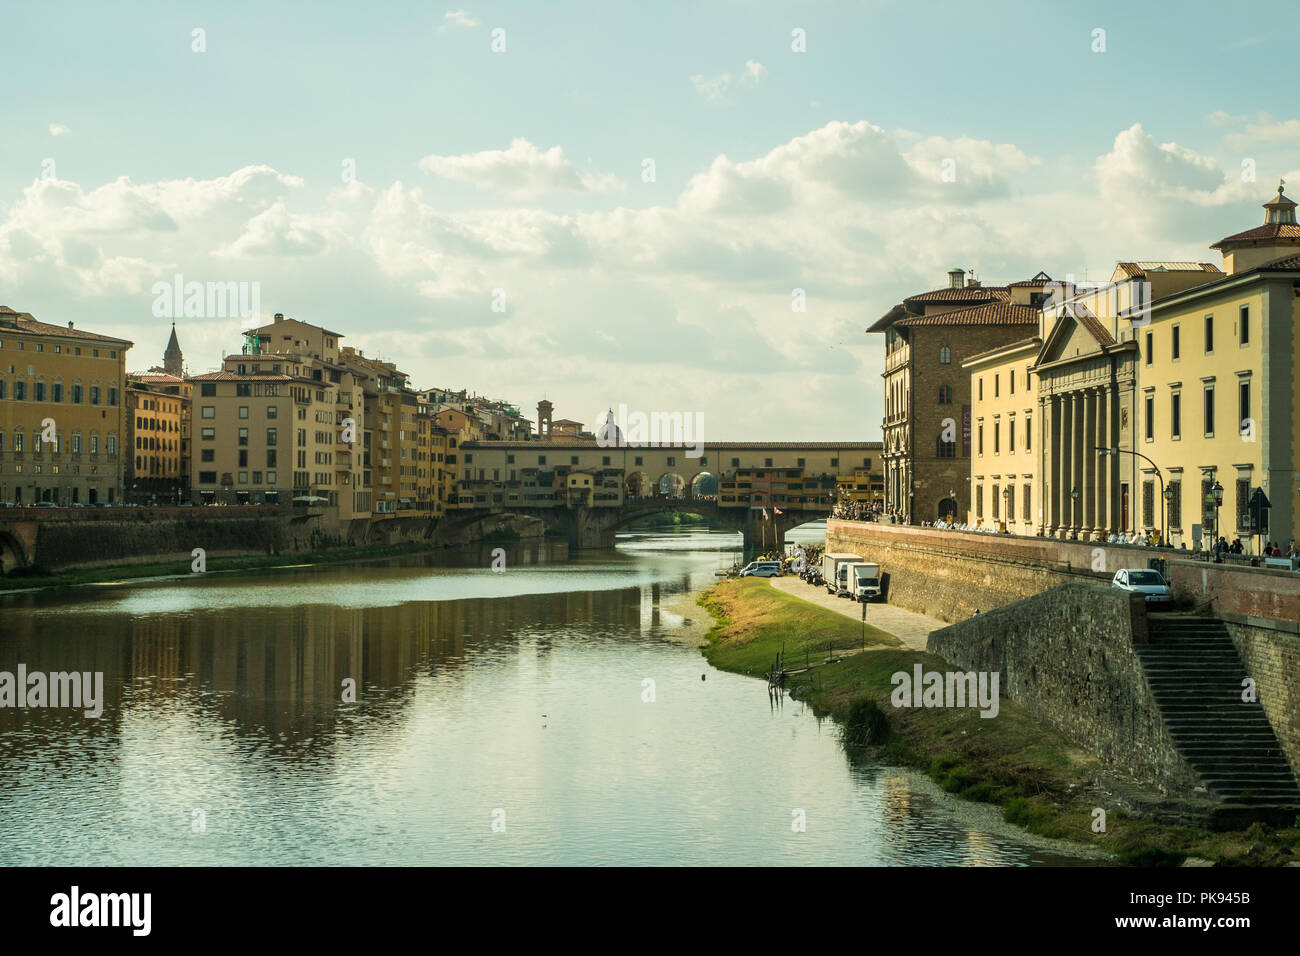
(271, 425)
(1152, 389)
(1005, 488)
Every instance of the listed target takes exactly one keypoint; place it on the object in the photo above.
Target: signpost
(1257, 513)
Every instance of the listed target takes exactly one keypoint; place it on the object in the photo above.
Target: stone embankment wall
(97, 538)
(1067, 657)
(950, 575)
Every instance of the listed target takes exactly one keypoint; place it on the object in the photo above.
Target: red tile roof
(228, 376)
(1289, 264)
(1134, 269)
(994, 313)
(971, 294)
(1272, 230)
(26, 322)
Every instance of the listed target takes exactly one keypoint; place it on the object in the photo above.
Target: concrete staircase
(1195, 675)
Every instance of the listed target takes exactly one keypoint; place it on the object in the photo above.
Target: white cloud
(522, 170)
(457, 19)
(715, 88)
(854, 215)
(58, 129)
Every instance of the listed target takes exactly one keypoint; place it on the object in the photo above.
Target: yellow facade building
(1154, 395)
(66, 385)
(157, 406)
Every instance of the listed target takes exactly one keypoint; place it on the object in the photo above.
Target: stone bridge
(594, 527)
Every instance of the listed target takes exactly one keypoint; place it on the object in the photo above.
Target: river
(549, 713)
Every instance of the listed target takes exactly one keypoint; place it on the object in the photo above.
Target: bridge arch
(702, 483)
(637, 485)
(13, 555)
(671, 485)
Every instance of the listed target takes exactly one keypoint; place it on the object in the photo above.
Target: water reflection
(523, 691)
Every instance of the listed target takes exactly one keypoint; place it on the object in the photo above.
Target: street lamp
(1074, 507)
(1218, 502)
(952, 496)
(1103, 450)
(1168, 495)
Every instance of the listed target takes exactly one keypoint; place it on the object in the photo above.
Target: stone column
(1105, 526)
(1088, 465)
(1062, 470)
(1042, 449)
(1116, 437)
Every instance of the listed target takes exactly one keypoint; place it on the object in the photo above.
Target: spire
(173, 360)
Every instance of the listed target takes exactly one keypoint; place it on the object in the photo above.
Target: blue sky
(774, 170)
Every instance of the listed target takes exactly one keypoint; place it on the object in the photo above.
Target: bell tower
(544, 410)
(173, 361)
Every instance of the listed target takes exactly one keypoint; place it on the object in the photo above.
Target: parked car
(761, 569)
(1141, 581)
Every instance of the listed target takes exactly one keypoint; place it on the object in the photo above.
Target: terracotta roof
(1288, 264)
(1272, 230)
(970, 294)
(26, 322)
(228, 376)
(995, 313)
(591, 444)
(1093, 325)
(154, 377)
(1134, 269)
(1009, 347)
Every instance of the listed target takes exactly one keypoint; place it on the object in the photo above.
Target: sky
(668, 206)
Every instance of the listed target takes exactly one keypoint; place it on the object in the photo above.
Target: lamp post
(1103, 450)
(1168, 495)
(952, 496)
(1218, 502)
(1074, 508)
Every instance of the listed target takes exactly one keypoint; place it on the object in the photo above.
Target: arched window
(945, 449)
(945, 355)
(945, 394)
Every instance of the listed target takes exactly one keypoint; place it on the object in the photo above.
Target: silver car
(1141, 581)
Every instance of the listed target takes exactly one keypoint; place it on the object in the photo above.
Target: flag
(765, 514)
(776, 510)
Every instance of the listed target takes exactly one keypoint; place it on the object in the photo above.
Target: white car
(762, 569)
(1142, 581)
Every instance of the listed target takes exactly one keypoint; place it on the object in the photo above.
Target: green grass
(1031, 771)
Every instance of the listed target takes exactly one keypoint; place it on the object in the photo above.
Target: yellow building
(70, 384)
(1005, 485)
(1167, 387)
(157, 421)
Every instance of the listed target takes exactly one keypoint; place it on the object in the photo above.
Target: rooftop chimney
(955, 277)
(972, 283)
(69, 326)
(279, 316)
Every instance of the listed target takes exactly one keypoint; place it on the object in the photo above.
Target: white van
(866, 581)
(835, 571)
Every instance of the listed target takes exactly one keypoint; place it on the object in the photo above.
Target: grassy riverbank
(76, 577)
(1040, 779)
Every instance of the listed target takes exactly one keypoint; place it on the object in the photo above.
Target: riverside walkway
(909, 627)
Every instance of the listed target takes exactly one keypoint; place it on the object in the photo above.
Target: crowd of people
(1271, 548)
(859, 511)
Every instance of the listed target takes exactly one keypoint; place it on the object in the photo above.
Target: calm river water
(499, 718)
